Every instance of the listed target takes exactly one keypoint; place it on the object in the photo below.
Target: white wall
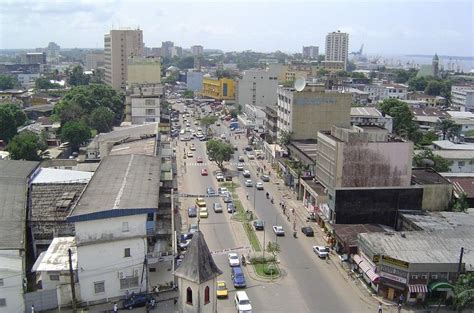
(139, 110)
(198, 297)
(11, 271)
(266, 84)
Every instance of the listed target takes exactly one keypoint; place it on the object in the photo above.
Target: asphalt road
(308, 284)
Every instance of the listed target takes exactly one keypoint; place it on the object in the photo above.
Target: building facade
(94, 61)
(337, 47)
(197, 50)
(218, 88)
(380, 92)
(257, 87)
(35, 58)
(310, 52)
(463, 97)
(167, 49)
(194, 81)
(119, 45)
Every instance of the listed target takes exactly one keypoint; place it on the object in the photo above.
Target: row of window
(125, 283)
(189, 295)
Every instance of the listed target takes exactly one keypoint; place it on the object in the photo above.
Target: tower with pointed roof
(435, 64)
(197, 278)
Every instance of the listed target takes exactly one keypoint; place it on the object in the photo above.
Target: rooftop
(52, 175)
(428, 112)
(462, 184)
(441, 220)
(307, 147)
(145, 146)
(427, 176)
(126, 183)
(365, 112)
(449, 145)
(13, 201)
(348, 232)
(455, 154)
(56, 258)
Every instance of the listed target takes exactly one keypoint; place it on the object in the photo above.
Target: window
(206, 295)
(150, 111)
(189, 296)
(129, 282)
(126, 253)
(124, 227)
(461, 163)
(414, 276)
(3, 302)
(1, 282)
(150, 102)
(54, 277)
(99, 286)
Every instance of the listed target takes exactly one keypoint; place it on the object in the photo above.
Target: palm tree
(447, 126)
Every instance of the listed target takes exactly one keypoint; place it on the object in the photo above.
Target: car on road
(246, 173)
(200, 202)
(217, 207)
(321, 251)
(227, 199)
(210, 191)
(219, 176)
(248, 183)
(203, 138)
(186, 236)
(308, 231)
(278, 230)
(190, 154)
(242, 302)
(238, 278)
(240, 167)
(265, 178)
(258, 224)
(192, 147)
(193, 228)
(203, 212)
(231, 207)
(192, 211)
(204, 172)
(218, 123)
(228, 177)
(259, 185)
(184, 138)
(233, 259)
(241, 158)
(138, 300)
(248, 148)
(183, 244)
(223, 191)
(221, 291)
(251, 156)
(199, 160)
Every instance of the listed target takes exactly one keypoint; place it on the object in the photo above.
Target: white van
(242, 302)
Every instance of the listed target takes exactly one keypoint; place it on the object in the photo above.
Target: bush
(257, 258)
(270, 269)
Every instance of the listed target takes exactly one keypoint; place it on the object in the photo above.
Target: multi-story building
(257, 87)
(194, 80)
(35, 58)
(218, 88)
(463, 96)
(380, 92)
(197, 50)
(271, 121)
(167, 49)
(370, 116)
(333, 66)
(304, 113)
(310, 52)
(94, 61)
(337, 47)
(429, 100)
(119, 45)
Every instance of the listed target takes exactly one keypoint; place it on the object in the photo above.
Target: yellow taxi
(203, 212)
(200, 202)
(221, 289)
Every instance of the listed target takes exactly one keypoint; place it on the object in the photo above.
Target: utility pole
(460, 260)
(73, 285)
(263, 250)
(146, 273)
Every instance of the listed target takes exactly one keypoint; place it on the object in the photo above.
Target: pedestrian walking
(399, 308)
(247, 195)
(401, 299)
(379, 310)
(115, 308)
(32, 308)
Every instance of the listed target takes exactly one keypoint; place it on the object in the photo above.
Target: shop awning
(374, 277)
(356, 259)
(418, 288)
(364, 267)
(437, 285)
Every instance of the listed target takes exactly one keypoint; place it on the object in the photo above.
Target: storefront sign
(393, 277)
(395, 262)
(376, 258)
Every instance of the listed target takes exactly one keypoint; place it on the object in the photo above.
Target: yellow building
(219, 89)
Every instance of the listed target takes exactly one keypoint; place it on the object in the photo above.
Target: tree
(77, 77)
(97, 76)
(461, 204)
(7, 82)
(208, 121)
(439, 163)
(433, 88)
(273, 248)
(102, 119)
(185, 63)
(428, 138)
(448, 127)
(417, 83)
(219, 151)
(75, 132)
(285, 137)
(11, 117)
(402, 76)
(26, 146)
(44, 83)
(233, 113)
(464, 291)
(188, 94)
(403, 123)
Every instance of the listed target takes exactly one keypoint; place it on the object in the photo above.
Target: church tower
(435, 65)
(197, 278)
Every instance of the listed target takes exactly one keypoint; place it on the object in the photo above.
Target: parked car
(204, 172)
(221, 291)
(241, 158)
(308, 231)
(192, 211)
(246, 173)
(138, 300)
(248, 148)
(231, 207)
(203, 213)
(265, 178)
(228, 177)
(219, 176)
(233, 259)
(259, 185)
(227, 199)
(321, 251)
(193, 228)
(190, 154)
(248, 183)
(192, 147)
(240, 167)
(278, 230)
(217, 207)
(200, 202)
(258, 224)
(210, 191)
(251, 156)
(199, 160)
(183, 245)
(223, 191)
(242, 302)
(238, 278)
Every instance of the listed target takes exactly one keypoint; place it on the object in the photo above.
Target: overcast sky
(383, 26)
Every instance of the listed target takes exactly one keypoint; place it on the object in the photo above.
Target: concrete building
(194, 81)
(197, 50)
(310, 52)
(333, 66)
(426, 99)
(94, 61)
(380, 92)
(257, 87)
(27, 80)
(218, 88)
(271, 122)
(463, 97)
(119, 45)
(337, 47)
(118, 215)
(305, 113)
(370, 116)
(35, 58)
(167, 49)
(15, 178)
(252, 117)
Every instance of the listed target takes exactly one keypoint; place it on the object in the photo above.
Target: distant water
(465, 64)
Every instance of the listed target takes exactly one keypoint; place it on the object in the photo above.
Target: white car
(242, 302)
(223, 191)
(190, 154)
(220, 176)
(278, 230)
(246, 173)
(240, 167)
(234, 259)
(321, 251)
(259, 185)
(251, 156)
(248, 183)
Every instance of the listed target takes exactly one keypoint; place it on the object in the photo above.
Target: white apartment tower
(119, 45)
(337, 47)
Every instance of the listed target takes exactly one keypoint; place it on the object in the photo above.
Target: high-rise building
(257, 87)
(337, 47)
(35, 58)
(167, 49)
(310, 52)
(119, 45)
(197, 50)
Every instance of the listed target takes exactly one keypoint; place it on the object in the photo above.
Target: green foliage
(77, 77)
(448, 127)
(188, 94)
(403, 76)
(7, 82)
(285, 137)
(252, 237)
(233, 113)
(428, 138)
(464, 291)
(97, 77)
(75, 132)
(11, 117)
(273, 248)
(403, 123)
(185, 63)
(208, 121)
(26, 146)
(439, 163)
(219, 151)
(417, 83)
(438, 88)
(460, 204)
(44, 83)
(224, 73)
(270, 269)
(469, 133)
(322, 72)
(102, 119)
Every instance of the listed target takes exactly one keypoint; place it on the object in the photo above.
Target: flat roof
(455, 154)
(308, 147)
(442, 220)
(365, 111)
(122, 185)
(448, 145)
(439, 246)
(348, 232)
(427, 176)
(13, 200)
(145, 146)
(429, 112)
(126, 133)
(53, 175)
(56, 258)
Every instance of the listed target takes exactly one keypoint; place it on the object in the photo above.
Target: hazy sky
(383, 26)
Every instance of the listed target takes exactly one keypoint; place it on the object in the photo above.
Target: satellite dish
(300, 83)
